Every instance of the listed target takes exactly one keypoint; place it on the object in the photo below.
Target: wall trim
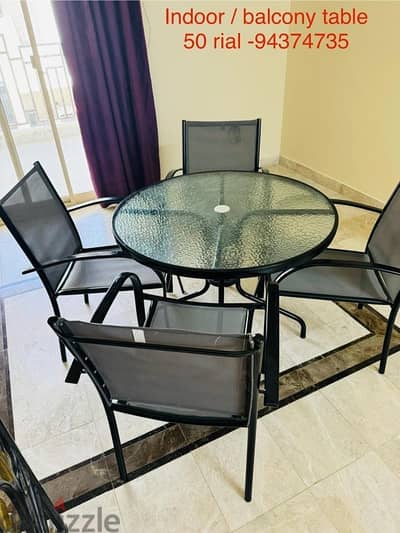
(332, 183)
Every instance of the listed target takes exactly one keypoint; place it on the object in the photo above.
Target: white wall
(213, 84)
(342, 108)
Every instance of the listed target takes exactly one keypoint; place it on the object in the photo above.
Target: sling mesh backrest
(209, 146)
(183, 383)
(39, 221)
(384, 243)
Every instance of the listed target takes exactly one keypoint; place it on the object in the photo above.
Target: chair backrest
(167, 372)
(221, 145)
(384, 242)
(38, 220)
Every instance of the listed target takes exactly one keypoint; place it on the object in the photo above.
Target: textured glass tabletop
(225, 223)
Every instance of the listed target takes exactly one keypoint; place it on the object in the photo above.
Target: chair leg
(74, 372)
(388, 335)
(169, 283)
(63, 352)
(117, 443)
(259, 292)
(86, 298)
(297, 318)
(181, 285)
(251, 449)
(360, 306)
(221, 293)
(56, 310)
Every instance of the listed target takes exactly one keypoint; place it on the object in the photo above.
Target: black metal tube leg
(251, 449)
(197, 293)
(169, 283)
(86, 298)
(221, 290)
(270, 364)
(63, 352)
(56, 310)
(181, 285)
(119, 455)
(360, 306)
(388, 336)
(259, 292)
(74, 372)
(297, 318)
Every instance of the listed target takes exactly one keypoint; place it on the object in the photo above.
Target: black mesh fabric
(335, 282)
(40, 221)
(199, 318)
(384, 244)
(167, 380)
(210, 146)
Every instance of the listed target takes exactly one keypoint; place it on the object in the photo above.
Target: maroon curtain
(105, 49)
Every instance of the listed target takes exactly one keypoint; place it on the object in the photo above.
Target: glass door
(37, 114)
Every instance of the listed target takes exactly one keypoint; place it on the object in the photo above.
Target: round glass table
(226, 224)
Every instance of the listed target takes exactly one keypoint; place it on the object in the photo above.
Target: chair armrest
(84, 256)
(376, 267)
(171, 173)
(105, 248)
(112, 293)
(358, 205)
(106, 200)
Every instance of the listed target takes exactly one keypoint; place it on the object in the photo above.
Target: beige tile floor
(328, 462)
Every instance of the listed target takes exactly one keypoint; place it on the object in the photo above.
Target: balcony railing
(20, 90)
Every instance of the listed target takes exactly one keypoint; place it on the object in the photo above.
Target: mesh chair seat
(335, 282)
(199, 318)
(97, 274)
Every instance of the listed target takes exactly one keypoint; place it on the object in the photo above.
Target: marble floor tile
(222, 463)
(316, 315)
(389, 451)
(369, 402)
(63, 451)
(384, 310)
(48, 410)
(174, 498)
(322, 339)
(392, 372)
(362, 497)
(301, 514)
(314, 437)
(100, 514)
(129, 427)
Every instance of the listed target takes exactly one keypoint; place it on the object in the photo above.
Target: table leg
(221, 290)
(271, 344)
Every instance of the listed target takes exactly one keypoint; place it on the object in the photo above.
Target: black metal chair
(206, 374)
(218, 145)
(43, 227)
(369, 277)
